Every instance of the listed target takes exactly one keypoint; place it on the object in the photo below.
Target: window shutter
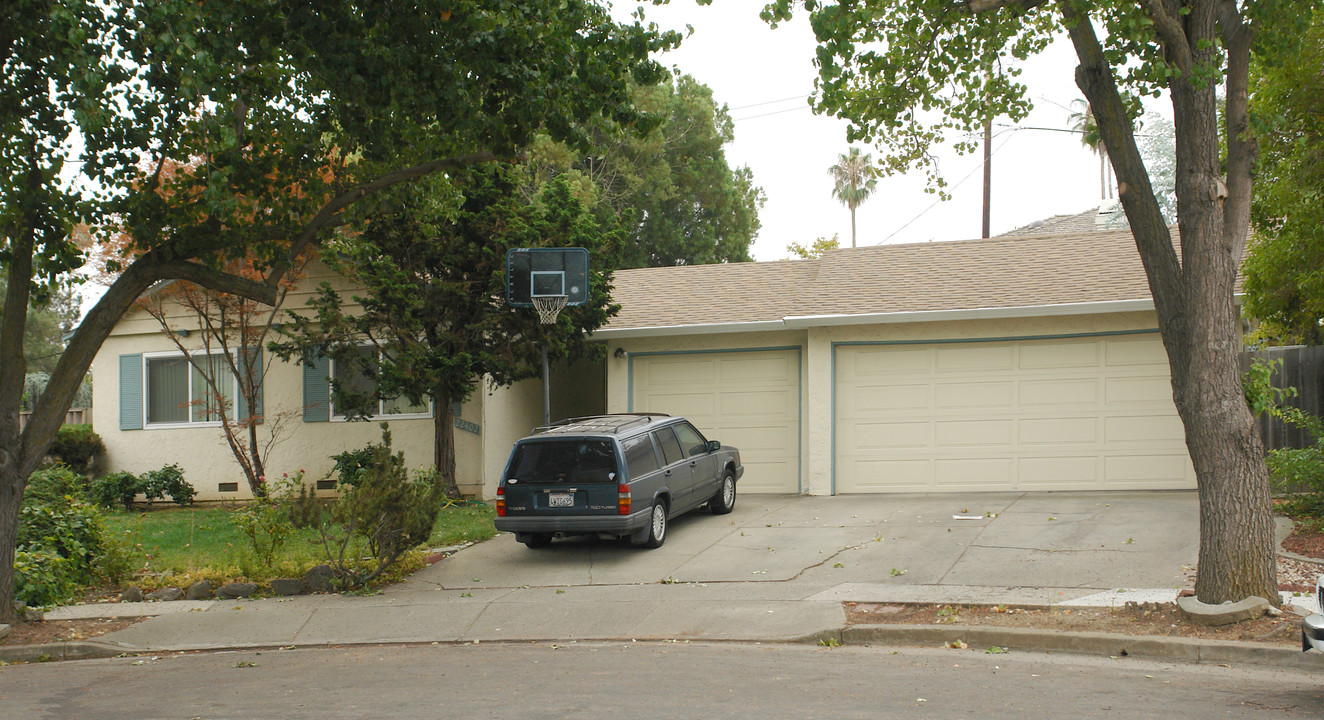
(251, 358)
(316, 389)
(131, 392)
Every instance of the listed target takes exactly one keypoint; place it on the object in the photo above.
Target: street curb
(1085, 643)
(58, 651)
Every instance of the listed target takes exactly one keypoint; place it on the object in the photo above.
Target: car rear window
(640, 457)
(564, 461)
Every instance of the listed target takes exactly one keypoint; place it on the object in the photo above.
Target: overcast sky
(764, 76)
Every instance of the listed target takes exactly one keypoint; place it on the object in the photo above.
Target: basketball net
(548, 307)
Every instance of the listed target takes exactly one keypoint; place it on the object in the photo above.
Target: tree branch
(1242, 146)
(1170, 31)
(979, 6)
(328, 216)
(1153, 239)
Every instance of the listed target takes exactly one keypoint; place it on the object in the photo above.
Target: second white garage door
(747, 399)
(1078, 413)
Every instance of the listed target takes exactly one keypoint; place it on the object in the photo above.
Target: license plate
(561, 500)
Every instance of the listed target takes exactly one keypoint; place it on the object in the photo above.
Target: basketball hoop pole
(546, 389)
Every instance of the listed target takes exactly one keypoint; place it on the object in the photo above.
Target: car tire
(657, 526)
(725, 499)
(536, 541)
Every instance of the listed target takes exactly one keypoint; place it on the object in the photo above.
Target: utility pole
(988, 170)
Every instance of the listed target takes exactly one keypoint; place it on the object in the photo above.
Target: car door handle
(694, 463)
(666, 474)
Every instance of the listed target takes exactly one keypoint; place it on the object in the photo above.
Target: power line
(770, 102)
(958, 184)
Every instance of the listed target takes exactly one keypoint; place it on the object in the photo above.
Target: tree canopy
(679, 200)
(853, 181)
(434, 308)
(908, 74)
(291, 114)
(1284, 266)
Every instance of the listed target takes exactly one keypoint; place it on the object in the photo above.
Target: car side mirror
(714, 446)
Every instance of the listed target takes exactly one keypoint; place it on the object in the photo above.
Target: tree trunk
(443, 446)
(11, 502)
(852, 226)
(1193, 298)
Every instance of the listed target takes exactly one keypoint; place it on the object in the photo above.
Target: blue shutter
(131, 392)
(251, 358)
(316, 389)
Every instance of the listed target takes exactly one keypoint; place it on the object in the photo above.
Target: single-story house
(1013, 363)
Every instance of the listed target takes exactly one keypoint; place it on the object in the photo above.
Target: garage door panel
(691, 405)
(889, 364)
(975, 356)
(954, 434)
(1059, 355)
(1130, 470)
(1059, 431)
(973, 472)
(882, 399)
(890, 476)
(1057, 472)
(956, 396)
(754, 370)
(1146, 429)
(735, 404)
(1071, 413)
(749, 400)
(1144, 389)
(1136, 351)
(870, 436)
(1047, 393)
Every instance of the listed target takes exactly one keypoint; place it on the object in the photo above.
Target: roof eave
(796, 322)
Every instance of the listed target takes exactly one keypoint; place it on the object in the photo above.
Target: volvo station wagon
(614, 476)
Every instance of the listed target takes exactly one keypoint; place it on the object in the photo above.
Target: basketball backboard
(546, 272)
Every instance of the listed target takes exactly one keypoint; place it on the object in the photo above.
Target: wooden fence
(74, 416)
(1303, 369)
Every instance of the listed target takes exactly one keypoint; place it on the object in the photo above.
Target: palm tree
(855, 179)
(1082, 121)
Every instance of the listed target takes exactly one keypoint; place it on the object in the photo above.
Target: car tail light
(501, 502)
(623, 499)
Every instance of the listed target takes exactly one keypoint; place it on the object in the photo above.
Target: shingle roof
(1002, 272)
(1107, 216)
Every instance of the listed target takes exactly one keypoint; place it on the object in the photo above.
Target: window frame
(148, 357)
(332, 415)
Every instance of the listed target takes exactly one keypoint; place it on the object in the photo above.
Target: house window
(177, 391)
(351, 379)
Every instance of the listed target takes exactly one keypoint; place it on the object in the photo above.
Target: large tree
(680, 200)
(433, 316)
(294, 112)
(907, 73)
(1285, 263)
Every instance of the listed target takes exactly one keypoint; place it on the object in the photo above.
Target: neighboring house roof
(1107, 216)
(996, 277)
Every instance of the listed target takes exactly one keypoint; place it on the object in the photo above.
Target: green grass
(202, 542)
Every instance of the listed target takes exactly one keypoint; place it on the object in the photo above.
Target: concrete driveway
(1075, 544)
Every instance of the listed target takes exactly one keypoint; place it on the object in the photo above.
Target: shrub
(77, 446)
(60, 537)
(381, 511)
(43, 577)
(116, 488)
(169, 480)
(349, 465)
(54, 482)
(265, 522)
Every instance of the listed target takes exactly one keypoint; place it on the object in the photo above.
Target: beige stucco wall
(817, 364)
(509, 413)
(202, 451)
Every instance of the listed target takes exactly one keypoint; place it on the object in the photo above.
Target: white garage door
(750, 400)
(1063, 414)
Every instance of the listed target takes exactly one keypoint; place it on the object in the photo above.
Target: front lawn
(174, 543)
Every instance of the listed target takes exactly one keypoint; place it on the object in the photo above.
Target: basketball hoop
(548, 307)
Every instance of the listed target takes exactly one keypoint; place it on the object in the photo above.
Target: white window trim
(379, 415)
(146, 381)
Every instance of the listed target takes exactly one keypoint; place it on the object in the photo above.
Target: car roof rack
(612, 424)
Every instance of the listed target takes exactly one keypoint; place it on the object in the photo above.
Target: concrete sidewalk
(775, 570)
